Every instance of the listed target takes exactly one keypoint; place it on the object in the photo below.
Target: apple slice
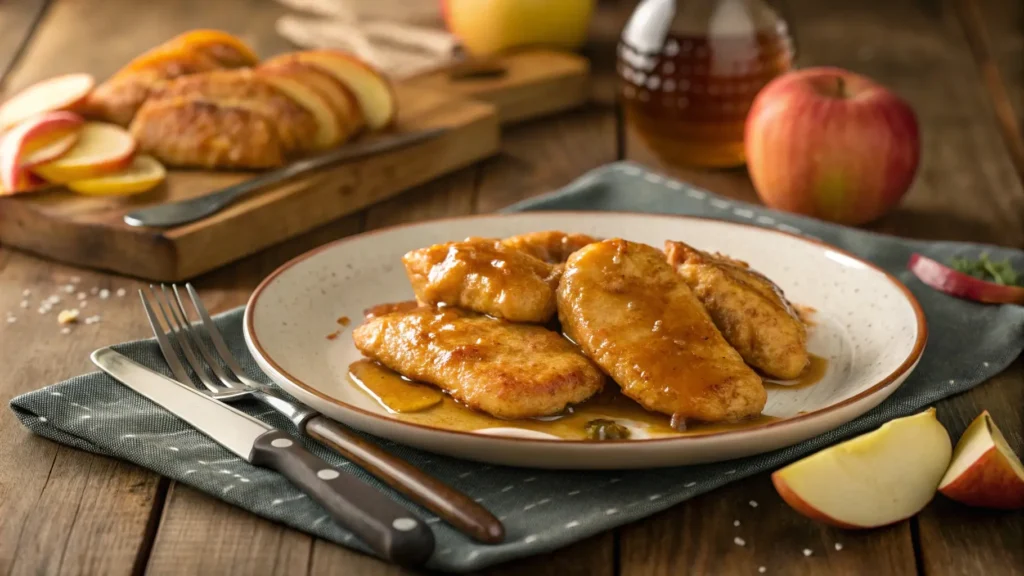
(956, 283)
(101, 149)
(29, 182)
(985, 471)
(38, 139)
(291, 84)
(144, 173)
(338, 96)
(372, 91)
(60, 93)
(875, 479)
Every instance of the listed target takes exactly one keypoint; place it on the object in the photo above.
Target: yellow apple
(875, 479)
(486, 27)
(985, 471)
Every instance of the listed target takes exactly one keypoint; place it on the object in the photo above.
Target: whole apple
(486, 27)
(831, 144)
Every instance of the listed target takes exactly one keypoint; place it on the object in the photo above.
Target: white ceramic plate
(868, 326)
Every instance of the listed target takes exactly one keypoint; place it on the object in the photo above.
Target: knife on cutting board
(381, 523)
(185, 211)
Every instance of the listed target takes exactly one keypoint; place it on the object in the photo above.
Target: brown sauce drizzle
(813, 374)
(344, 320)
(388, 308)
(421, 404)
(333, 335)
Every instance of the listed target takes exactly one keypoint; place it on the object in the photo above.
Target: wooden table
(960, 63)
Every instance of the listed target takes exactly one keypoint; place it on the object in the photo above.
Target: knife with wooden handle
(381, 523)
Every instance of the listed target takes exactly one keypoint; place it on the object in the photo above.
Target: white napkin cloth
(401, 38)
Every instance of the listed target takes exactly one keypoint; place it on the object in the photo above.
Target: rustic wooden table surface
(960, 63)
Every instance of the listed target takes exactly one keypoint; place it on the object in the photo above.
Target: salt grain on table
(739, 541)
(11, 319)
(24, 304)
(104, 294)
(761, 569)
(94, 290)
(92, 319)
(81, 295)
(753, 503)
(75, 279)
(69, 288)
(26, 293)
(808, 552)
(121, 292)
(735, 522)
(65, 330)
(839, 546)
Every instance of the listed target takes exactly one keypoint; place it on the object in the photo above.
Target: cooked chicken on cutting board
(748, 308)
(507, 370)
(485, 276)
(633, 314)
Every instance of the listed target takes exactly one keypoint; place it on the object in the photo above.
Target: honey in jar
(689, 70)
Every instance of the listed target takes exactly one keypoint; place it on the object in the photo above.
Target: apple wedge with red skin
(37, 140)
(60, 93)
(873, 480)
(955, 283)
(985, 472)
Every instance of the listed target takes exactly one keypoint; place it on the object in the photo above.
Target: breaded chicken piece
(633, 315)
(484, 276)
(504, 369)
(551, 246)
(748, 308)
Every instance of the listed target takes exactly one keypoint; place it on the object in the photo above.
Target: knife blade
(382, 524)
(175, 213)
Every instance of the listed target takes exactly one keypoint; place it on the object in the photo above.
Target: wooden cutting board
(89, 231)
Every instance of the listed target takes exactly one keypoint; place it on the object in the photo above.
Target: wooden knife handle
(381, 523)
(453, 506)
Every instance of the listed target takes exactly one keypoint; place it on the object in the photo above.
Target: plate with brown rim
(866, 335)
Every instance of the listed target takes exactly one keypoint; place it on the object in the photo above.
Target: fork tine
(183, 343)
(215, 337)
(196, 338)
(170, 354)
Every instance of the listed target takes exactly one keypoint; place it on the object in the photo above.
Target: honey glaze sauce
(421, 404)
(813, 374)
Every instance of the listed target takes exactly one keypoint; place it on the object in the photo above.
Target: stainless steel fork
(221, 377)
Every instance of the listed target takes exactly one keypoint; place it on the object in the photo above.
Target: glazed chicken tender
(507, 370)
(631, 313)
(485, 276)
(551, 246)
(749, 309)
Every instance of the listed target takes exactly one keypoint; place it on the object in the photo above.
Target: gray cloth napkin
(542, 510)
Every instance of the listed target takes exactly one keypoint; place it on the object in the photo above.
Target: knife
(382, 524)
(175, 213)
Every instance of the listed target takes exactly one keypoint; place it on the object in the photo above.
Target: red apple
(985, 471)
(831, 144)
(39, 139)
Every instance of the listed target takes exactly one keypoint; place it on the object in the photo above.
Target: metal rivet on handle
(404, 524)
(327, 474)
(281, 443)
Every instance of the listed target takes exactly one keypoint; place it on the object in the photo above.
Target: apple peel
(985, 471)
(955, 283)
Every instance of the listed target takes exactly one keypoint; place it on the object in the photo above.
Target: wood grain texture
(1001, 66)
(18, 21)
(63, 510)
(521, 86)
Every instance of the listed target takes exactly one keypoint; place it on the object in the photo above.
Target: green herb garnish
(601, 429)
(989, 270)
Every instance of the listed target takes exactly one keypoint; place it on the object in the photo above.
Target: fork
(222, 378)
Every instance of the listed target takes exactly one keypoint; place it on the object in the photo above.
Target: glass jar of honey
(689, 70)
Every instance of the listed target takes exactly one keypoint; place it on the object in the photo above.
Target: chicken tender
(551, 246)
(484, 276)
(633, 315)
(506, 370)
(748, 308)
